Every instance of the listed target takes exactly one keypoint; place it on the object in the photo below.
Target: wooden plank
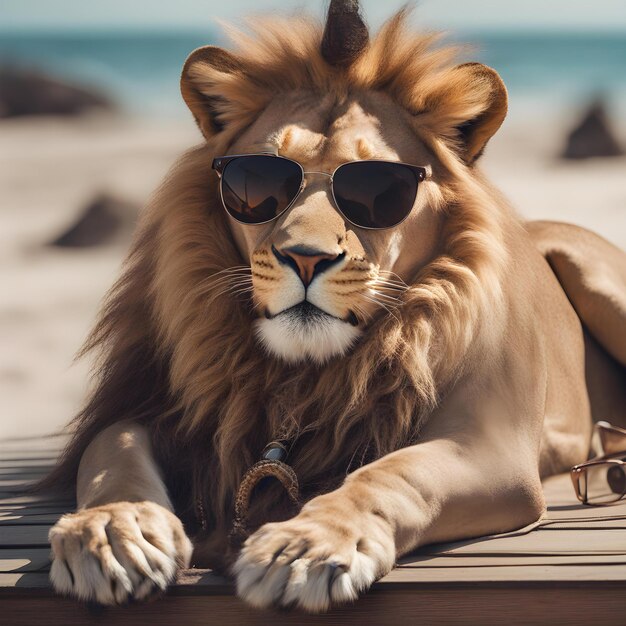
(19, 483)
(33, 500)
(451, 561)
(205, 582)
(29, 520)
(575, 512)
(23, 471)
(512, 574)
(16, 453)
(609, 523)
(47, 456)
(555, 542)
(51, 440)
(37, 450)
(30, 581)
(26, 511)
(45, 463)
(24, 559)
(485, 604)
(194, 582)
(13, 536)
(37, 559)
(13, 483)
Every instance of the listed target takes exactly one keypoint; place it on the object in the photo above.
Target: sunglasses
(258, 188)
(603, 480)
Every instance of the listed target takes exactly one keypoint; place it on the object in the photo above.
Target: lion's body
(433, 420)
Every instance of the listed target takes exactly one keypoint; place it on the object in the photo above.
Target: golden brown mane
(184, 359)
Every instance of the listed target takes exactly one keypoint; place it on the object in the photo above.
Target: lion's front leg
(343, 541)
(327, 554)
(124, 542)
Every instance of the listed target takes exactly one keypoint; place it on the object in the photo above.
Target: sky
(567, 15)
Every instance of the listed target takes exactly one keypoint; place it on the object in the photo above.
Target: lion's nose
(307, 263)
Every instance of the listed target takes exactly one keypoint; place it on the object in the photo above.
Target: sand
(50, 168)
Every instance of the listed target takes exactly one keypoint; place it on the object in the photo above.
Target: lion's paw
(308, 564)
(116, 552)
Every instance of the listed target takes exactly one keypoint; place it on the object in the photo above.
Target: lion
(419, 380)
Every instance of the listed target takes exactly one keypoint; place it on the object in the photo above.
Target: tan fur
(453, 400)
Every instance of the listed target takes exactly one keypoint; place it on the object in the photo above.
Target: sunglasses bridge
(305, 174)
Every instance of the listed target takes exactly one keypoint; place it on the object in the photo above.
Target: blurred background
(91, 119)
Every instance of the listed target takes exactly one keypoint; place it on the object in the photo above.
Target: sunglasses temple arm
(576, 476)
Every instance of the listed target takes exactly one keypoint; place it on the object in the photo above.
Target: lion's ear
(468, 108)
(478, 130)
(204, 71)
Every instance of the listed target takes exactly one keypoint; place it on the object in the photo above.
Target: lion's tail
(592, 272)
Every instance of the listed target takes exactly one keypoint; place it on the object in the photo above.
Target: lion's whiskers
(235, 289)
(393, 276)
(237, 275)
(388, 286)
(221, 282)
(383, 290)
(235, 281)
(389, 283)
(386, 297)
(374, 300)
(230, 270)
(361, 312)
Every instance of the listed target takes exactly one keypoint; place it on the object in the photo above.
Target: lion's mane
(183, 358)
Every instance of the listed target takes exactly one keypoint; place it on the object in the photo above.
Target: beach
(51, 167)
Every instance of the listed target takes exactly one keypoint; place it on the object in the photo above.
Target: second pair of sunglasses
(603, 480)
(258, 188)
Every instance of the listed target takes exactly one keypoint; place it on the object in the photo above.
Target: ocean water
(141, 70)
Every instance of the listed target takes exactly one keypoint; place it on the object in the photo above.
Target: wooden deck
(569, 570)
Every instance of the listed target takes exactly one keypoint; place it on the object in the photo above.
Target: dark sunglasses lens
(258, 188)
(375, 194)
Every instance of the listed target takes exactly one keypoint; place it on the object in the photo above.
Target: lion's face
(317, 279)
(324, 98)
